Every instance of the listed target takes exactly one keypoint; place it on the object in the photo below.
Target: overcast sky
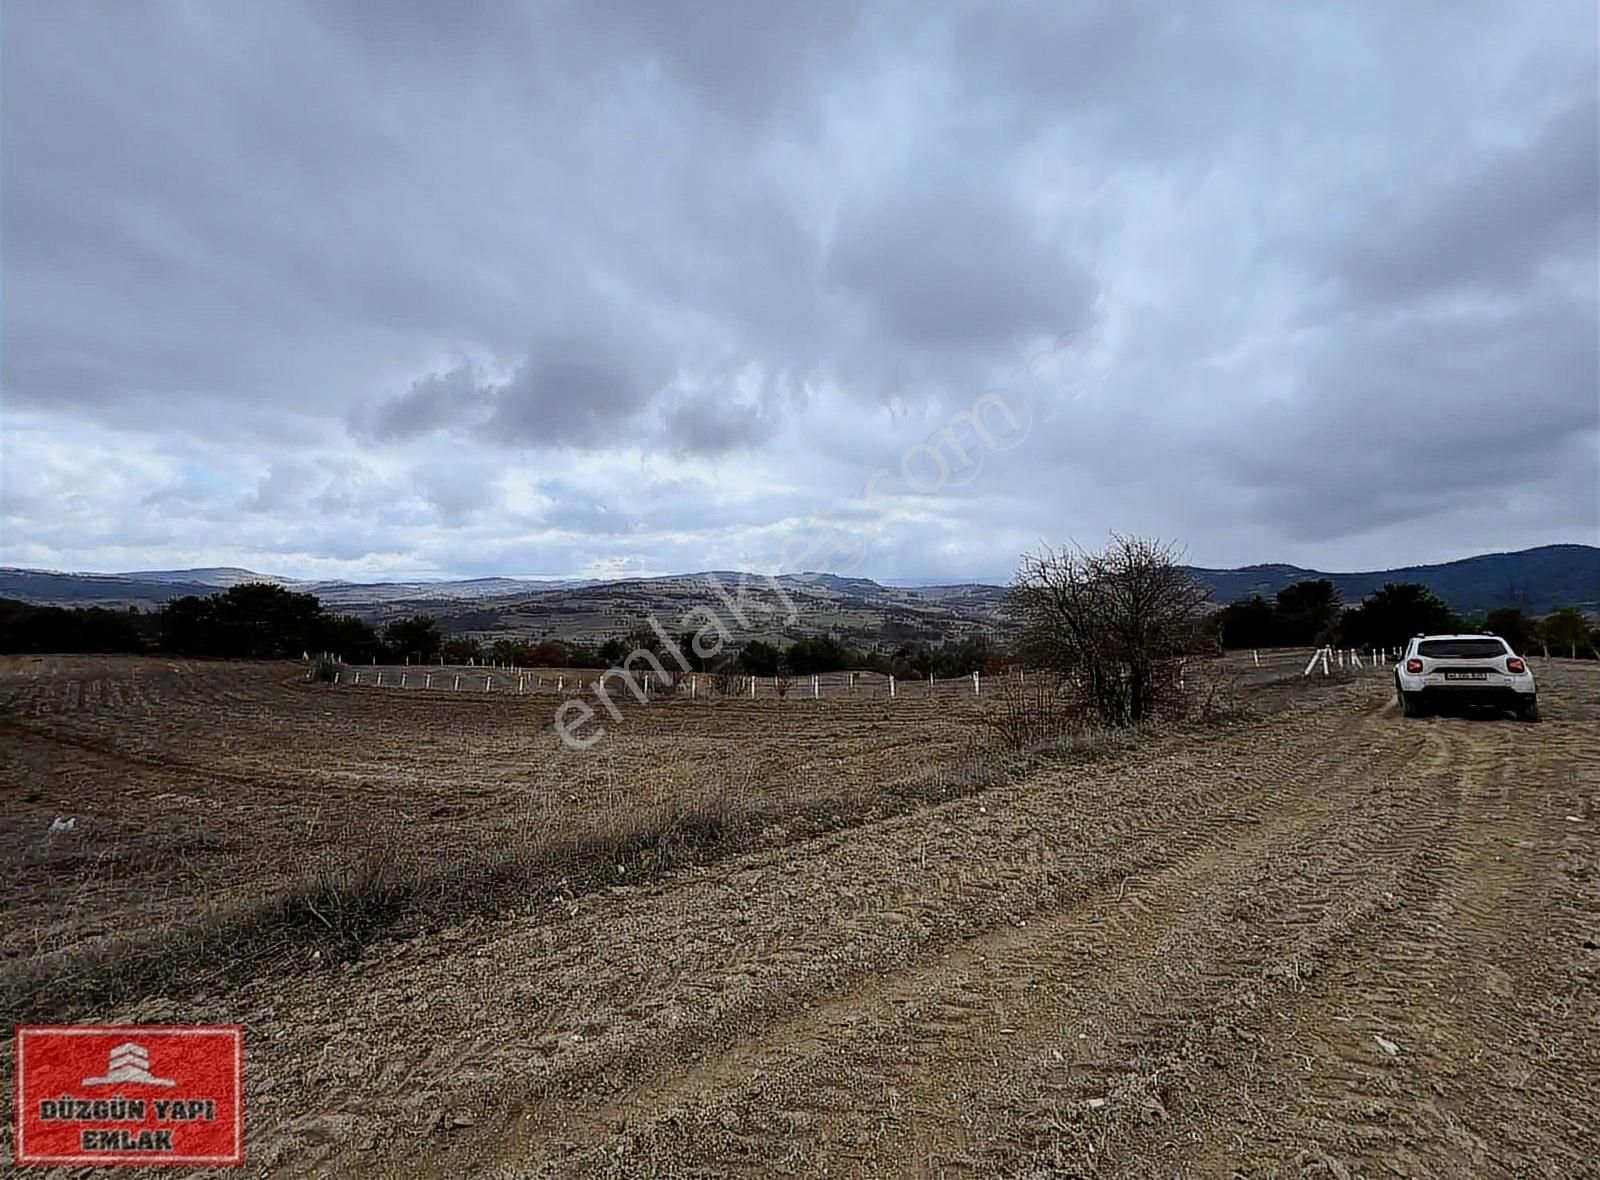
(363, 289)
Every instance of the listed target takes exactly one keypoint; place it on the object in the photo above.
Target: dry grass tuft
(344, 905)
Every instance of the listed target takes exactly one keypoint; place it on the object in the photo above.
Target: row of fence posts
(1344, 657)
(1328, 657)
(427, 681)
(694, 686)
(816, 685)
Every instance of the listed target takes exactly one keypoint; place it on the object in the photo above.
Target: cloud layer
(406, 289)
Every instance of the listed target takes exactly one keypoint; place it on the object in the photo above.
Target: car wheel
(1409, 705)
(1529, 710)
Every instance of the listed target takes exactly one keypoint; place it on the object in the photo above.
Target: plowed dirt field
(1318, 941)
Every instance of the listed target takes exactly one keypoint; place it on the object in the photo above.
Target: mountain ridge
(1537, 579)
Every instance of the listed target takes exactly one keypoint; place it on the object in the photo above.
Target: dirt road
(1330, 942)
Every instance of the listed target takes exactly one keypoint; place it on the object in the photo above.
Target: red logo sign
(130, 1094)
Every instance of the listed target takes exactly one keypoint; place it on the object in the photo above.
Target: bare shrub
(1114, 623)
(1034, 709)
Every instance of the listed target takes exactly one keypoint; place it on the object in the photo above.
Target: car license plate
(1466, 676)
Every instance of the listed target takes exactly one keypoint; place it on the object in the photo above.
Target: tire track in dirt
(646, 980)
(1173, 801)
(1472, 1015)
(945, 994)
(893, 1078)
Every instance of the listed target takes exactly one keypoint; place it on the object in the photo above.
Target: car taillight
(1516, 665)
(1414, 666)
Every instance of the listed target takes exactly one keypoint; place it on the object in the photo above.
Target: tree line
(28, 628)
(254, 620)
(1310, 613)
(264, 621)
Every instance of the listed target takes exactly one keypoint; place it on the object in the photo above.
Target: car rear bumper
(1473, 694)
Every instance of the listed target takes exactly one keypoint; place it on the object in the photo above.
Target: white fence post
(1324, 661)
(815, 691)
(458, 682)
(429, 683)
(976, 691)
(752, 688)
(693, 684)
(1257, 657)
(891, 684)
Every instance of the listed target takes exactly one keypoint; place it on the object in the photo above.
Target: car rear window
(1461, 649)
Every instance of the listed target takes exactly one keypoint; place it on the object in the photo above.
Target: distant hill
(1537, 580)
(218, 577)
(46, 586)
(357, 594)
(153, 587)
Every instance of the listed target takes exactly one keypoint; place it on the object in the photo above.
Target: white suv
(1466, 669)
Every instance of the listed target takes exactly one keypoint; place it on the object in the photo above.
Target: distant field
(851, 933)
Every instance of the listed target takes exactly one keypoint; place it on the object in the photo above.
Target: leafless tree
(1116, 622)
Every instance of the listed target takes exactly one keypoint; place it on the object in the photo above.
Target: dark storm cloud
(709, 425)
(625, 286)
(435, 402)
(583, 398)
(952, 267)
(1494, 225)
(568, 394)
(1398, 417)
(735, 68)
